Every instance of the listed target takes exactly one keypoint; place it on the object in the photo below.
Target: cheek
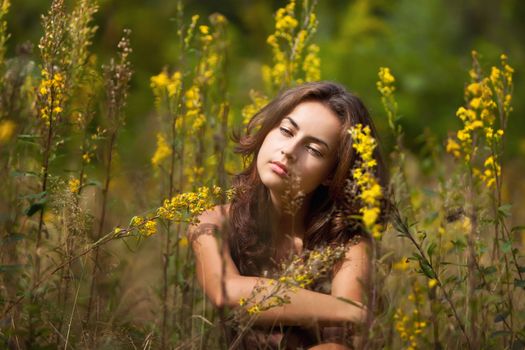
(315, 172)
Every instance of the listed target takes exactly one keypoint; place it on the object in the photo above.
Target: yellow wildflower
(162, 152)
(51, 96)
(183, 242)
(370, 190)
(7, 128)
(312, 64)
(86, 157)
(431, 284)
(204, 29)
(402, 265)
(258, 102)
(192, 203)
(150, 228)
(74, 185)
(453, 147)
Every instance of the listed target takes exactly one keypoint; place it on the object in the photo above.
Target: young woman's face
(305, 143)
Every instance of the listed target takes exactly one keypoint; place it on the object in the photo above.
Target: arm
(224, 286)
(351, 281)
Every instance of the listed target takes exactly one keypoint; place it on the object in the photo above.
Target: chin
(272, 181)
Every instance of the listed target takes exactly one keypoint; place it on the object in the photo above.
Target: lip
(279, 168)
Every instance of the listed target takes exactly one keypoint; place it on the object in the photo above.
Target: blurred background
(426, 43)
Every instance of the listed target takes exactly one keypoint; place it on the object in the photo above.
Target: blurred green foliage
(426, 43)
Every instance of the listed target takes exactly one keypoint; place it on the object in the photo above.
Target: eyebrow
(310, 137)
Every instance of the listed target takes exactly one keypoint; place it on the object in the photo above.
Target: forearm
(304, 307)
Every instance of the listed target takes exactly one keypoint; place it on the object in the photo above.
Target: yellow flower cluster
(409, 328)
(194, 109)
(7, 128)
(288, 44)
(74, 185)
(51, 94)
(502, 83)
(190, 31)
(491, 171)
(369, 188)
(162, 152)
(385, 86)
(145, 226)
(312, 64)
(402, 265)
(486, 97)
(4, 9)
(165, 86)
(258, 102)
(187, 206)
(303, 271)
(205, 36)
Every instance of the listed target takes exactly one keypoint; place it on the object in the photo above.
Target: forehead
(315, 119)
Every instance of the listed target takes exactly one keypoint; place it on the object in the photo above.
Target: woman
(298, 141)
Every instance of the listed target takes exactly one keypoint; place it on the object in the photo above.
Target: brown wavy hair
(327, 220)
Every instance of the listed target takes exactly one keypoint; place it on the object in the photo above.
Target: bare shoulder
(362, 247)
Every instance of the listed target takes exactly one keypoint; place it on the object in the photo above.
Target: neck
(284, 222)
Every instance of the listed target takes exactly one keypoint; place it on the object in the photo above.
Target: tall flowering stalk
(51, 96)
(369, 189)
(385, 86)
(193, 108)
(84, 81)
(370, 194)
(168, 92)
(49, 110)
(479, 145)
(117, 77)
(294, 59)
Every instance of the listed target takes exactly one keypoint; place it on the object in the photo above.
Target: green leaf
(519, 283)
(459, 244)
(33, 196)
(12, 238)
(489, 270)
(431, 248)
(501, 316)
(35, 207)
(506, 246)
(500, 333)
(517, 229)
(23, 173)
(504, 210)
(10, 268)
(94, 183)
(427, 269)
(28, 136)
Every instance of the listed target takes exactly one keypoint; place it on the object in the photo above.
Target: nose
(288, 151)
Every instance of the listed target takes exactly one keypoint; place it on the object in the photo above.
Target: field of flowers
(95, 256)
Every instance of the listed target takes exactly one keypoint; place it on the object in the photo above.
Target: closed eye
(285, 131)
(314, 151)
